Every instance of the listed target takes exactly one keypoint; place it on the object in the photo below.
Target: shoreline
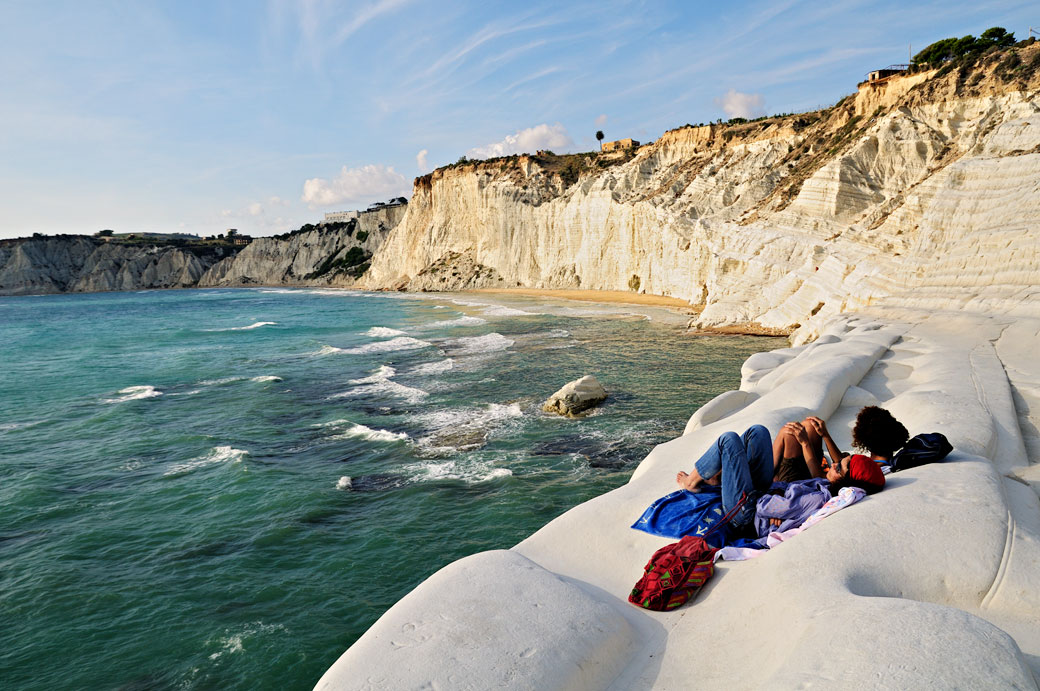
(604, 296)
(573, 574)
(675, 306)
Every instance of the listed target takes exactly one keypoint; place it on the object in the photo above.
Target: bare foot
(689, 481)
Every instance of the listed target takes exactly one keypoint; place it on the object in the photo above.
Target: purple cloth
(791, 502)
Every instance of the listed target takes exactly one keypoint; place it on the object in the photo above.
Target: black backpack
(922, 449)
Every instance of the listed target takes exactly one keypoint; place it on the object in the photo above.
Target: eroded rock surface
(63, 264)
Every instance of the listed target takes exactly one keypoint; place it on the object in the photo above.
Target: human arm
(821, 429)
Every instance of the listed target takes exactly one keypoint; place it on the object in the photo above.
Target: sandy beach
(611, 296)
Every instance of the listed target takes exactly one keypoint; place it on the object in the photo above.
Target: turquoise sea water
(224, 488)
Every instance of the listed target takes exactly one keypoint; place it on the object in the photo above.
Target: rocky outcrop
(81, 264)
(576, 397)
(322, 256)
(917, 193)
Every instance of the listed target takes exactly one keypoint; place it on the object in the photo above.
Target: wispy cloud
(532, 77)
(367, 14)
(420, 161)
(487, 34)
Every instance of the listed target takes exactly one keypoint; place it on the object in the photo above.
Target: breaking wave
(470, 473)
(380, 383)
(488, 343)
(394, 344)
(231, 380)
(356, 431)
(327, 350)
(428, 368)
(462, 429)
(216, 456)
(254, 325)
(135, 393)
(383, 332)
(460, 321)
(503, 311)
(381, 374)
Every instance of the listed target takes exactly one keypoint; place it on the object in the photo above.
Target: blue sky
(200, 116)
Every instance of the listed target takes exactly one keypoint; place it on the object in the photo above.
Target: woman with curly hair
(747, 463)
(798, 448)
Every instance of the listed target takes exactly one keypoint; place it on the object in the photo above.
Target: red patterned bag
(674, 574)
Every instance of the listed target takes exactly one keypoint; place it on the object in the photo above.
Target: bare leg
(814, 439)
(785, 446)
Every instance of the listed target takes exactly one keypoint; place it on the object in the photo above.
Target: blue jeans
(746, 463)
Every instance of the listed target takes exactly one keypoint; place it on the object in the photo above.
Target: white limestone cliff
(919, 193)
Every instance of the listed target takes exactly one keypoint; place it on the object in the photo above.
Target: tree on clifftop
(952, 48)
(599, 138)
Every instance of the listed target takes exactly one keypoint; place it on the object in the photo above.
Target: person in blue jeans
(747, 463)
(742, 464)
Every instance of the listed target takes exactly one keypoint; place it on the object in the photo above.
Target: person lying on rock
(798, 450)
(746, 464)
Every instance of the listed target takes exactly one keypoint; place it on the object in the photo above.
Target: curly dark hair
(878, 432)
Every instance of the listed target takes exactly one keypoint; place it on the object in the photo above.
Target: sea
(223, 489)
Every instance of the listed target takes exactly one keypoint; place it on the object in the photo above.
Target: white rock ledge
(933, 583)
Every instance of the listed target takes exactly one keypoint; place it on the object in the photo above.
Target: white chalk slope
(932, 583)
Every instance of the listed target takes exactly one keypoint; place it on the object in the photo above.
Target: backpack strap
(728, 516)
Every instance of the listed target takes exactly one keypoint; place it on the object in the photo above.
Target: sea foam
(327, 350)
(470, 473)
(216, 456)
(254, 325)
(503, 311)
(383, 332)
(356, 431)
(488, 343)
(135, 393)
(462, 429)
(428, 368)
(394, 344)
(380, 383)
(382, 374)
(231, 380)
(460, 321)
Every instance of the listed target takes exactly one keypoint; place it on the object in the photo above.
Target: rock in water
(578, 395)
